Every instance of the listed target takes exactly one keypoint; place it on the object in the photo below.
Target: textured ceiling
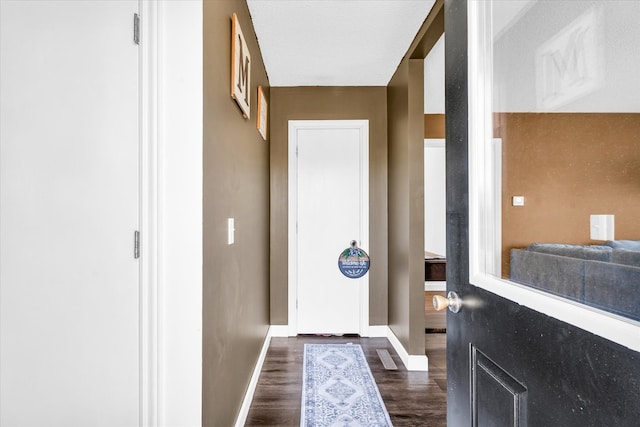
(335, 42)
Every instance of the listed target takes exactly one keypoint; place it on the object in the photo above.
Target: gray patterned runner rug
(338, 389)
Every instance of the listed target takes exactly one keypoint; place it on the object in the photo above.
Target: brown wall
(405, 110)
(329, 103)
(236, 185)
(406, 204)
(568, 166)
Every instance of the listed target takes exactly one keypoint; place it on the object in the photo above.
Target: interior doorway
(435, 210)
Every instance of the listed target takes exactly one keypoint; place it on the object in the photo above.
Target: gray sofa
(604, 276)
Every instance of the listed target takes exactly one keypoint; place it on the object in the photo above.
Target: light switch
(231, 231)
(517, 201)
(602, 227)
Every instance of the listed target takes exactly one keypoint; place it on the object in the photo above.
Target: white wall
(435, 197)
(434, 79)
(180, 213)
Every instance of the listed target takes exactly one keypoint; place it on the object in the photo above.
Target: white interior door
(69, 283)
(330, 209)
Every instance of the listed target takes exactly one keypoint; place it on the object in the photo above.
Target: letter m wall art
(240, 68)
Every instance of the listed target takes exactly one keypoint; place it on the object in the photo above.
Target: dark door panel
(537, 370)
(498, 399)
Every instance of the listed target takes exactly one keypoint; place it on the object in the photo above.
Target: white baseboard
(279, 330)
(375, 331)
(378, 331)
(248, 397)
(435, 286)
(411, 362)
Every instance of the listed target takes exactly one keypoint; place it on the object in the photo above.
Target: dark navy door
(509, 365)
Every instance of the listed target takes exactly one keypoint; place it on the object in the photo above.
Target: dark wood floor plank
(411, 398)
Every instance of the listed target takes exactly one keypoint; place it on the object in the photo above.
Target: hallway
(411, 398)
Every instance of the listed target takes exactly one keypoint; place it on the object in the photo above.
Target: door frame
(167, 312)
(149, 127)
(295, 126)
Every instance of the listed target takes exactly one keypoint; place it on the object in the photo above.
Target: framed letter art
(240, 68)
(261, 122)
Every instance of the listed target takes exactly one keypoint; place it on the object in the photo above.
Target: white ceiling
(335, 42)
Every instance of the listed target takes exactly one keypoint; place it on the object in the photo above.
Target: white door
(69, 310)
(329, 208)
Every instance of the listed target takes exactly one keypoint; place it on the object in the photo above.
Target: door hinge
(136, 244)
(136, 28)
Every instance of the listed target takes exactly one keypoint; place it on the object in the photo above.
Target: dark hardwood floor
(411, 398)
(436, 343)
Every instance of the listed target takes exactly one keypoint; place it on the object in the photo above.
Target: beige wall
(236, 184)
(406, 204)
(329, 103)
(568, 166)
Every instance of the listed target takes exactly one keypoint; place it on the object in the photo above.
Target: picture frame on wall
(261, 122)
(240, 68)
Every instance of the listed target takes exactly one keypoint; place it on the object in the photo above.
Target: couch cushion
(559, 275)
(613, 287)
(626, 257)
(588, 252)
(630, 245)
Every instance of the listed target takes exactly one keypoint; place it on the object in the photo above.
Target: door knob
(452, 300)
